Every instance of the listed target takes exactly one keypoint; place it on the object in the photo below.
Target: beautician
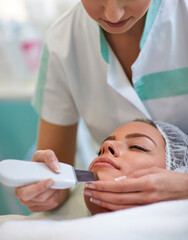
(109, 62)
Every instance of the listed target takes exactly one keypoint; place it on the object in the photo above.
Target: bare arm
(55, 143)
(60, 139)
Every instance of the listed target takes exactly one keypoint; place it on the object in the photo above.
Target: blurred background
(22, 30)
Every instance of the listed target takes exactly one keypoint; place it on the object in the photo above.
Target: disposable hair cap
(176, 147)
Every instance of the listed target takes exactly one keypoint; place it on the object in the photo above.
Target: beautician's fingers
(161, 185)
(31, 191)
(39, 201)
(110, 206)
(139, 198)
(127, 185)
(52, 202)
(42, 198)
(49, 157)
(164, 184)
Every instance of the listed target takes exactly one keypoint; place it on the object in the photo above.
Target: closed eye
(139, 148)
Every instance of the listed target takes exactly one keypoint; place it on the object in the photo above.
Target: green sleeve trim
(150, 18)
(163, 84)
(41, 80)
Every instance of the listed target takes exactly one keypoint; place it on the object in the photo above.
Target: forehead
(138, 127)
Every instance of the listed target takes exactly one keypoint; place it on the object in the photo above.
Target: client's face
(131, 147)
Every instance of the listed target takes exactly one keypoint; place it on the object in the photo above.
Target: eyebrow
(132, 135)
(109, 138)
(136, 135)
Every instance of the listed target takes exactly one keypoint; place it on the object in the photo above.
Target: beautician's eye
(139, 148)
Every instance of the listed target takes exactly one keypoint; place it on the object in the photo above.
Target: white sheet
(160, 221)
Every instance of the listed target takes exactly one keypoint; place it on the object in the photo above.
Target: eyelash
(139, 148)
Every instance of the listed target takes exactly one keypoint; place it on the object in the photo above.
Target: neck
(126, 46)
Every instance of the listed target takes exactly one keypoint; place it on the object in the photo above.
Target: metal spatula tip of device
(86, 176)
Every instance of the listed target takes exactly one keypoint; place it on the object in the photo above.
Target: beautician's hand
(39, 197)
(142, 187)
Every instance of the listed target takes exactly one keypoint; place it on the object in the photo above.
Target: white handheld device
(16, 173)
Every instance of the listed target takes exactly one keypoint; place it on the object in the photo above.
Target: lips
(104, 162)
(118, 24)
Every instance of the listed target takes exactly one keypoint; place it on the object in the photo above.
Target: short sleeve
(53, 100)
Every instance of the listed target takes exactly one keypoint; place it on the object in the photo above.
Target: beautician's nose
(113, 11)
(110, 147)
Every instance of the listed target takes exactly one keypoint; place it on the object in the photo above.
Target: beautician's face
(116, 16)
(131, 147)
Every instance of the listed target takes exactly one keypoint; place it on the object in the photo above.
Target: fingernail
(95, 201)
(89, 185)
(56, 167)
(50, 183)
(87, 193)
(120, 178)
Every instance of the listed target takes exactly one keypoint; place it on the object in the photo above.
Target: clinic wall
(18, 133)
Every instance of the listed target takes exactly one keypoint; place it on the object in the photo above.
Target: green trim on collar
(41, 80)
(104, 46)
(163, 84)
(150, 18)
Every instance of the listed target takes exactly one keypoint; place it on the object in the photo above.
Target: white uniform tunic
(81, 77)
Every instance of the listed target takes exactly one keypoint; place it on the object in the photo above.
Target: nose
(113, 11)
(110, 147)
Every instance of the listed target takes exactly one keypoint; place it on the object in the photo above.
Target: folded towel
(165, 220)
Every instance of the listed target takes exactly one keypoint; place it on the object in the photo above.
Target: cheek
(140, 8)
(92, 8)
(138, 162)
(107, 174)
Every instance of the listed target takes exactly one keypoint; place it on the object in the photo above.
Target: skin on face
(116, 16)
(129, 148)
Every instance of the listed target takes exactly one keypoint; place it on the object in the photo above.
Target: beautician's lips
(118, 24)
(104, 162)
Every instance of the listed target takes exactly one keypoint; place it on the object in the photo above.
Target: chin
(93, 208)
(104, 174)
